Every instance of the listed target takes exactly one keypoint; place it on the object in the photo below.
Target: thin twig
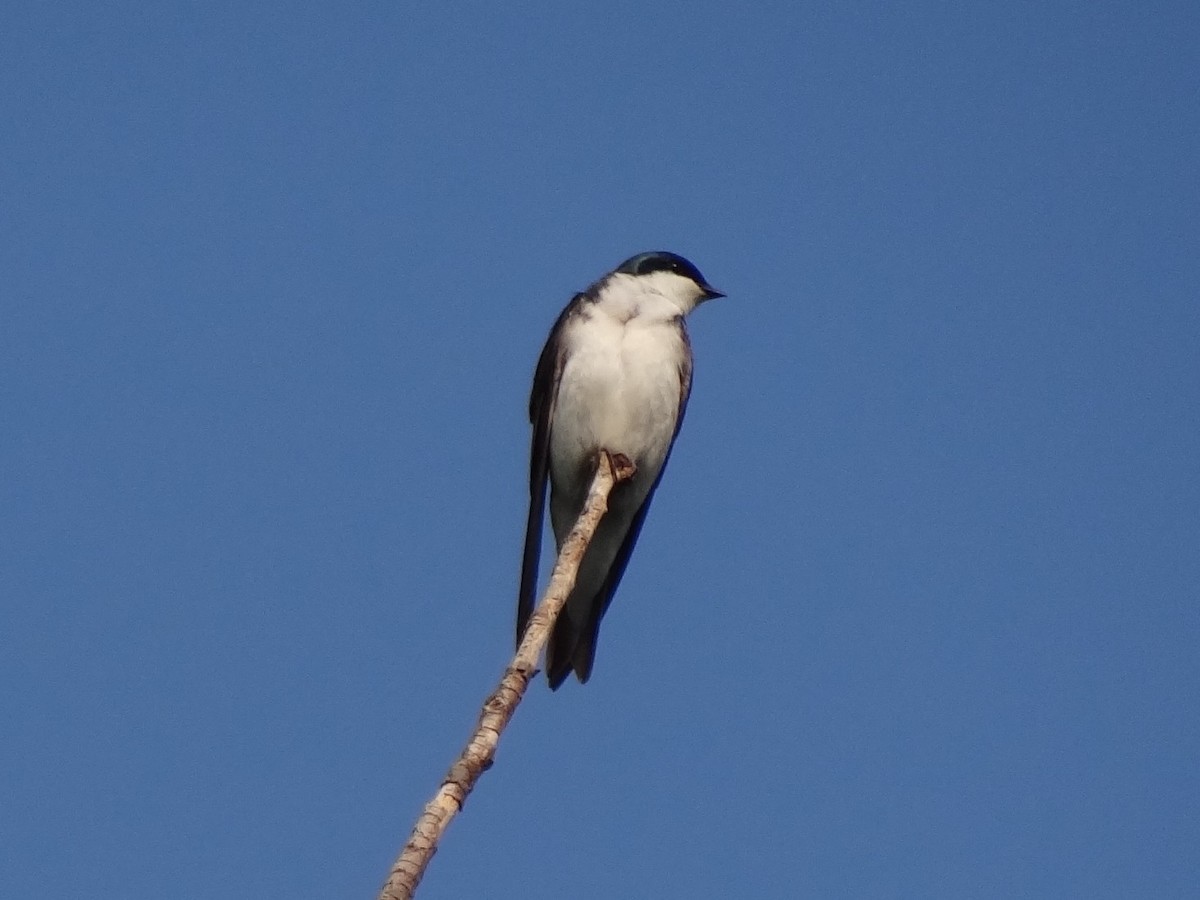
(480, 750)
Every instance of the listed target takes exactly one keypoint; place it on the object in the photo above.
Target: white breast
(619, 389)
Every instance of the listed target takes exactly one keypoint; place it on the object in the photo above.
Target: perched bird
(614, 375)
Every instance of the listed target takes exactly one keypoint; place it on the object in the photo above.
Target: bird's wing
(542, 399)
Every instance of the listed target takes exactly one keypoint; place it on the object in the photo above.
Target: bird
(615, 375)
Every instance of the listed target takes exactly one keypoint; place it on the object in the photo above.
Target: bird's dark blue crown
(665, 261)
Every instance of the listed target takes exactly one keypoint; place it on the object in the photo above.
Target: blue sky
(915, 612)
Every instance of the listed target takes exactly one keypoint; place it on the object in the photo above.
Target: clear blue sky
(915, 613)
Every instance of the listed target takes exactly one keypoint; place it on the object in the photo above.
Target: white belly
(619, 391)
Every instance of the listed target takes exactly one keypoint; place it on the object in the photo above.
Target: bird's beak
(710, 292)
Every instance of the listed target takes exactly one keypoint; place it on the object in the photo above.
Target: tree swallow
(615, 374)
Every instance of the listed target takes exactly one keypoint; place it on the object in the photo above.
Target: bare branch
(480, 750)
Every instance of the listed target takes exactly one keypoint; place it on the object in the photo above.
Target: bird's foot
(623, 467)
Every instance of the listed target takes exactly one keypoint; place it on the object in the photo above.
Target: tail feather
(585, 654)
(572, 647)
(560, 651)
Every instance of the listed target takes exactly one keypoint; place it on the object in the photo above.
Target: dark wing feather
(584, 653)
(542, 398)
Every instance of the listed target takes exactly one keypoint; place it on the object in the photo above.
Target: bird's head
(672, 275)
